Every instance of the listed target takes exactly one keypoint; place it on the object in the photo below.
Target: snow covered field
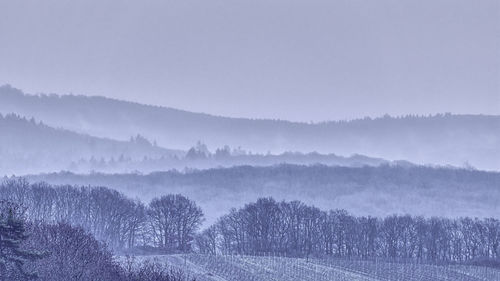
(250, 268)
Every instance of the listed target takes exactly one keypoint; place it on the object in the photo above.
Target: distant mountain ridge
(440, 139)
(27, 146)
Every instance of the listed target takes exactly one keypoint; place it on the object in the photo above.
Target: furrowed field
(264, 268)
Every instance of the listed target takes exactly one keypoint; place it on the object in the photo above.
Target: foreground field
(243, 268)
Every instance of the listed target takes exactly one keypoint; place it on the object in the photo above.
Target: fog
(185, 140)
(296, 60)
(369, 191)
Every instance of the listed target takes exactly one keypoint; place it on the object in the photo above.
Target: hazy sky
(289, 59)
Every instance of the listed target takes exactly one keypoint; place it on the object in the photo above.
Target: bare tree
(174, 220)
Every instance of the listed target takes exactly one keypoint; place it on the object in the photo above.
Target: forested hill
(382, 190)
(439, 139)
(28, 146)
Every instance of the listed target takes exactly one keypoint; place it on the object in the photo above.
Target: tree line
(171, 223)
(296, 229)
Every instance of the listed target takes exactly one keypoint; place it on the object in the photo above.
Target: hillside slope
(440, 139)
(377, 191)
(30, 147)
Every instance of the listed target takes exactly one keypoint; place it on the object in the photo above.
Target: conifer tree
(12, 235)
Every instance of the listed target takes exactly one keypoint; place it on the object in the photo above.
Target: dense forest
(27, 147)
(380, 191)
(440, 139)
(171, 224)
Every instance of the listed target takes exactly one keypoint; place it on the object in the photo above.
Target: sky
(301, 60)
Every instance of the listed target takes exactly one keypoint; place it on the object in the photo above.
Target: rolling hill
(376, 191)
(439, 139)
(27, 146)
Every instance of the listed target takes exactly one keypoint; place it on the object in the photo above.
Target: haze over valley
(444, 139)
(236, 140)
(144, 151)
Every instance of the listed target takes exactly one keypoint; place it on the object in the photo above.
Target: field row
(250, 268)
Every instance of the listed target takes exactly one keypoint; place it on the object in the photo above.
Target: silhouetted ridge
(441, 139)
